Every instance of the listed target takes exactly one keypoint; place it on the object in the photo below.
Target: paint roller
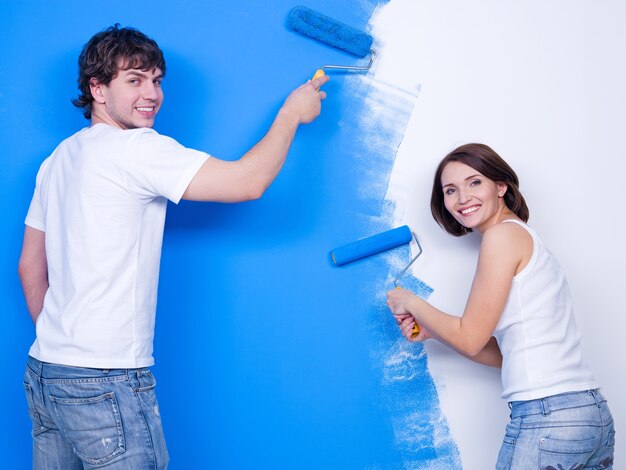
(334, 33)
(377, 244)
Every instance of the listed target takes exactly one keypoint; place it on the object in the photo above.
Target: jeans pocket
(512, 430)
(563, 453)
(145, 381)
(38, 426)
(92, 425)
(144, 385)
(505, 456)
(611, 439)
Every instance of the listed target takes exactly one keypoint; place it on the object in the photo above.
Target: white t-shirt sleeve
(35, 217)
(157, 165)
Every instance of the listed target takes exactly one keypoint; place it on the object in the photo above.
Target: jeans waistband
(52, 371)
(562, 401)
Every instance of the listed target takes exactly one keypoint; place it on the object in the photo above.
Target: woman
(518, 317)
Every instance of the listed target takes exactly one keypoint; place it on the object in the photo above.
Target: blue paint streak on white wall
(266, 355)
(407, 390)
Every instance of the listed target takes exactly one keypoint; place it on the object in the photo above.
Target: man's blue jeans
(93, 418)
(571, 431)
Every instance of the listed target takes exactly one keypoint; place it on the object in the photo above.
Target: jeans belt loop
(134, 379)
(545, 408)
(594, 394)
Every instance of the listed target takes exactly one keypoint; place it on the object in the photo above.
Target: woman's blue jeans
(570, 431)
(93, 418)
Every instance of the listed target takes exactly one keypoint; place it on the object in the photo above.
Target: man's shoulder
(103, 135)
(100, 129)
(101, 139)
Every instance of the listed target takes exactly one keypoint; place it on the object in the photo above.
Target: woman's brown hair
(488, 163)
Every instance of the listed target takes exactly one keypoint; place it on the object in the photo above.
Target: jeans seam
(149, 440)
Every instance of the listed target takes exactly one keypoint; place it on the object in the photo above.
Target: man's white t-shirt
(101, 199)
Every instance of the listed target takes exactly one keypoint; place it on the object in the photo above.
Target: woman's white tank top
(537, 333)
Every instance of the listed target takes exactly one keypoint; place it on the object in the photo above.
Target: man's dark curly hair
(109, 51)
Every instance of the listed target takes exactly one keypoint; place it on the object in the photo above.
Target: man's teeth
(469, 210)
(145, 109)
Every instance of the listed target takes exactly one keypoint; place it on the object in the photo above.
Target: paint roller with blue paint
(377, 244)
(334, 33)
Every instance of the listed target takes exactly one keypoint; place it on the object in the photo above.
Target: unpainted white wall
(543, 83)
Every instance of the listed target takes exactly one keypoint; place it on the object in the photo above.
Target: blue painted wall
(263, 349)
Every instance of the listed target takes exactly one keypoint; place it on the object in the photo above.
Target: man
(90, 259)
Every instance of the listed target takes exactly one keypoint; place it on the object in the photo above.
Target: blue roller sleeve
(330, 31)
(371, 245)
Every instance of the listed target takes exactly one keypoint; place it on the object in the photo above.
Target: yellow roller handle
(318, 73)
(416, 329)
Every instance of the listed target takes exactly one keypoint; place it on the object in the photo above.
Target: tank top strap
(515, 221)
(522, 224)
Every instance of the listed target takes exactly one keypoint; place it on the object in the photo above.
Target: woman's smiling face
(474, 200)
